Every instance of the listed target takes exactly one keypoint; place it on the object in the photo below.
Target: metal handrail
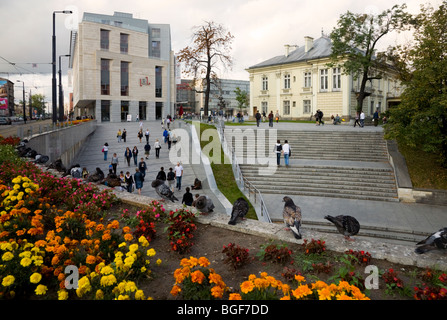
(241, 181)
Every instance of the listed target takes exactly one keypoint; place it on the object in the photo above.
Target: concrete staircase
(344, 164)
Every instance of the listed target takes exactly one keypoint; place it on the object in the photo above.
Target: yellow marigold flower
(35, 277)
(197, 276)
(235, 296)
(41, 289)
(143, 269)
(158, 262)
(128, 237)
(139, 295)
(247, 286)
(204, 262)
(17, 180)
(130, 286)
(99, 295)
(25, 262)
(62, 295)
(151, 252)
(300, 278)
(125, 297)
(129, 261)
(325, 294)
(8, 280)
(175, 290)
(7, 256)
(106, 270)
(301, 291)
(108, 280)
(143, 241)
(217, 292)
(133, 247)
(90, 259)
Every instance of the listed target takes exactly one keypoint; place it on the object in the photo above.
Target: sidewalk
(90, 156)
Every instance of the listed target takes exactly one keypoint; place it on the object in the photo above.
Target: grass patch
(424, 168)
(223, 173)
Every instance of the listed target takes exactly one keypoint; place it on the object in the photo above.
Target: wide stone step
(320, 169)
(309, 180)
(326, 193)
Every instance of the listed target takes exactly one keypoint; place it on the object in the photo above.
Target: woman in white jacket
(286, 150)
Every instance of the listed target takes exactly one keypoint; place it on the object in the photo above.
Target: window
(104, 39)
(307, 80)
(105, 76)
(124, 43)
(156, 49)
(264, 107)
(306, 106)
(158, 82)
(287, 81)
(105, 110)
(286, 107)
(155, 32)
(265, 83)
(124, 78)
(142, 110)
(324, 79)
(336, 79)
(124, 110)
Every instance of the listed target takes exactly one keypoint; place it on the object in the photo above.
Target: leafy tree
(38, 102)
(355, 40)
(420, 120)
(212, 44)
(241, 98)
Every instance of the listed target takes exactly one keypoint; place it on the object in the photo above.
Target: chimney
(287, 47)
(308, 43)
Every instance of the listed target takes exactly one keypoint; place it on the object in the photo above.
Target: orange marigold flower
(217, 292)
(235, 296)
(175, 290)
(106, 237)
(90, 259)
(128, 237)
(247, 286)
(204, 262)
(127, 229)
(197, 276)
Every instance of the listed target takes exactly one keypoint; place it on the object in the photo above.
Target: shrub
(236, 256)
(181, 228)
(314, 246)
(275, 253)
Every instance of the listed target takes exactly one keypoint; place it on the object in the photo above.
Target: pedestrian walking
(165, 135)
(119, 135)
(271, 119)
(124, 135)
(258, 118)
(129, 181)
(170, 177)
(147, 149)
(135, 155)
(140, 134)
(287, 152)
(376, 118)
(146, 134)
(161, 175)
(178, 169)
(277, 116)
(128, 155)
(187, 197)
(170, 138)
(114, 162)
(138, 178)
(157, 147)
(362, 119)
(105, 150)
(357, 117)
(277, 149)
(142, 167)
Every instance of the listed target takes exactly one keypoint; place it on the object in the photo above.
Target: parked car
(4, 121)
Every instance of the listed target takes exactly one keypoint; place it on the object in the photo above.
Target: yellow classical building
(298, 83)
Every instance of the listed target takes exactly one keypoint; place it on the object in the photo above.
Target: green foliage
(9, 154)
(421, 118)
(241, 98)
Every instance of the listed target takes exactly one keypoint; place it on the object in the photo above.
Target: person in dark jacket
(187, 197)
(161, 175)
(142, 167)
(129, 181)
(138, 178)
(128, 156)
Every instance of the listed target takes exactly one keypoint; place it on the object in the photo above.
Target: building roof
(322, 48)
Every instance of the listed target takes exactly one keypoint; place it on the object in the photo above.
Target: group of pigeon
(349, 226)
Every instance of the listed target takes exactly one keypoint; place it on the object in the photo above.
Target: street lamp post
(53, 84)
(24, 108)
(61, 94)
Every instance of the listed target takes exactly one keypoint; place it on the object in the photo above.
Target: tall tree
(241, 98)
(38, 103)
(355, 40)
(209, 53)
(420, 120)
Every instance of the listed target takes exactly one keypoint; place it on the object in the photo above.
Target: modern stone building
(122, 67)
(299, 82)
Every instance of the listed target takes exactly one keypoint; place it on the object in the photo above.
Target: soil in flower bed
(209, 242)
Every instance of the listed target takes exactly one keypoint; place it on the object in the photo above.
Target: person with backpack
(277, 148)
(171, 178)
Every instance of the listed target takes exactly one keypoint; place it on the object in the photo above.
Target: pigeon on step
(437, 240)
(292, 217)
(240, 209)
(346, 225)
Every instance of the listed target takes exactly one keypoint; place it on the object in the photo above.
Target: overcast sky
(261, 28)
